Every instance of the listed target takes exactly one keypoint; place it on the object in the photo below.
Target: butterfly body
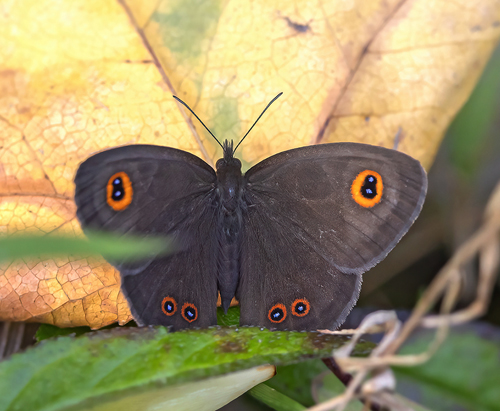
(289, 239)
(231, 205)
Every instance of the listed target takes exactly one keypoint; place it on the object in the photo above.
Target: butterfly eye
(119, 191)
(366, 189)
(189, 312)
(277, 313)
(169, 306)
(300, 307)
(219, 163)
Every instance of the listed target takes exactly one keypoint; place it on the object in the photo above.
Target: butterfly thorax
(230, 192)
(229, 180)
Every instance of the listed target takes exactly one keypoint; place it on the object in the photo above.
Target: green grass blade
(110, 245)
(275, 399)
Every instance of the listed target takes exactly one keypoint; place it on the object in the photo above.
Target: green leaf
(463, 374)
(232, 318)
(104, 365)
(208, 394)
(111, 245)
(46, 331)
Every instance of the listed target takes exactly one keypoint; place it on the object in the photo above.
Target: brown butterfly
(289, 239)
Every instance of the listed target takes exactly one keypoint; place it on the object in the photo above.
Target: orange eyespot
(300, 307)
(119, 191)
(277, 313)
(169, 306)
(189, 312)
(366, 189)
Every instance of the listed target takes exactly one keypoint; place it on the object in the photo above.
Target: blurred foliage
(469, 138)
(113, 246)
(463, 374)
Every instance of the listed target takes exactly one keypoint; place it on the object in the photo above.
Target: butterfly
(290, 238)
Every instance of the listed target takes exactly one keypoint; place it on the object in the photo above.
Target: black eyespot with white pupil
(169, 307)
(189, 312)
(369, 187)
(118, 190)
(277, 313)
(300, 308)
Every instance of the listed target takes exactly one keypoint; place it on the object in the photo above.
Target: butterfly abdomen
(228, 262)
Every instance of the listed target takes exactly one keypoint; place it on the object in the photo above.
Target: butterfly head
(228, 161)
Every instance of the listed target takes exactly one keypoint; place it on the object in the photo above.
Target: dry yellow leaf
(77, 77)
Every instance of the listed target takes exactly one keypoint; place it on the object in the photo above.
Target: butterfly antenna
(202, 123)
(258, 118)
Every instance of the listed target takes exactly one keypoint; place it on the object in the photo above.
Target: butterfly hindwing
(322, 216)
(291, 276)
(179, 289)
(150, 190)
